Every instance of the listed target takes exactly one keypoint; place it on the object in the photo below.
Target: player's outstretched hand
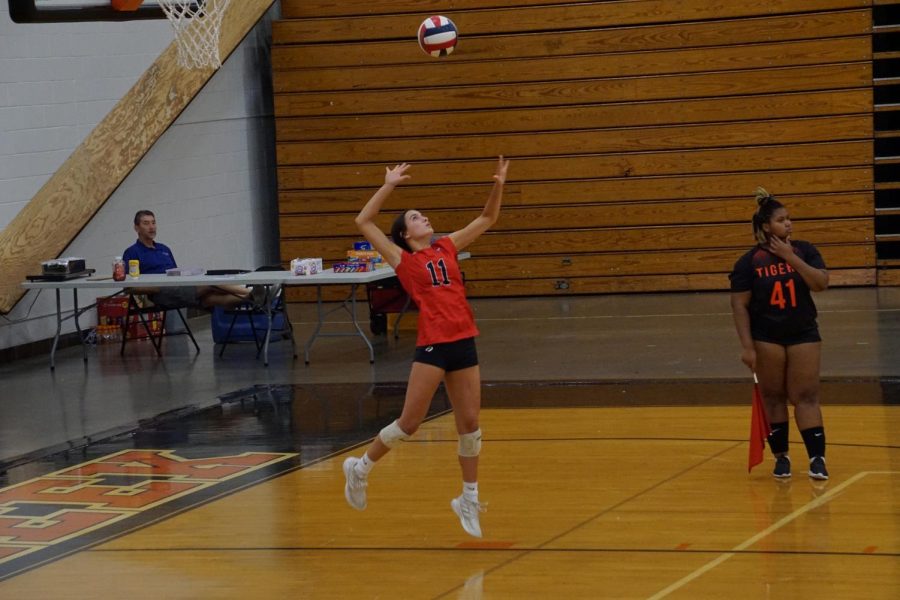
(502, 166)
(397, 174)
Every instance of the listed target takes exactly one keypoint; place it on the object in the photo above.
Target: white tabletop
(328, 277)
(253, 278)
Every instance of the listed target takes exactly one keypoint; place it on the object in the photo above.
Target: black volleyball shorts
(452, 356)
(807, 336)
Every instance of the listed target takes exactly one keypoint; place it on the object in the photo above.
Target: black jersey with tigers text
(780, 303)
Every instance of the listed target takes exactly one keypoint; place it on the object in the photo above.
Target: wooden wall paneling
(852, 277)
(590, 141)
(638, 137)
(649, 262)
(322, 27)
(614, 239)
(852, 230)
(627, 214)
(699, 185)
(295, 103)
(635, 284)
(290, 52)
(704, 186)
(563, 286)
(635, 164)
(888, 277)
(74, 193)
(627, 64)
(298, 9)
(627, 114)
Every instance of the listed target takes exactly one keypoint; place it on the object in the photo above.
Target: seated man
(155, 258)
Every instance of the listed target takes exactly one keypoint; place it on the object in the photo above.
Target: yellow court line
(770, 529)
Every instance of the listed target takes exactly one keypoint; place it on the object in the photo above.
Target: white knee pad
(392, 435)
(470, 443)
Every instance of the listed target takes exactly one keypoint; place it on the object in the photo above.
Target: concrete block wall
(209, 179)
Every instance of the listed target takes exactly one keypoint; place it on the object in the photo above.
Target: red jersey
(433, 279)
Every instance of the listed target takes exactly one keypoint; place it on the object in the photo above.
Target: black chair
(144, 310)
(249, 311)
(384, 297)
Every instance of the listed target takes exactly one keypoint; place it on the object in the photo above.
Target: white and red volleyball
(437, 36)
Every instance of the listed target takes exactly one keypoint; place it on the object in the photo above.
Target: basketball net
(196, 25)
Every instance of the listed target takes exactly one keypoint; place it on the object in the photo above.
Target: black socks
(778, 438)
(814, 439)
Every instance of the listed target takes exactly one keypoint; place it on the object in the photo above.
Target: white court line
(772, 528)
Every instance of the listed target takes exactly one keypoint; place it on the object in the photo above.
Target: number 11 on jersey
(444, 279)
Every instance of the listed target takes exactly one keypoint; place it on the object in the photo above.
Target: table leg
(282, 305)
(400, 316)
(349, 306)
(268, 328)
(321, 318)
(356, 323)
(77, 326)
(59, 321)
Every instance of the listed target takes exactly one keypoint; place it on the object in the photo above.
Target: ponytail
(398, 228)
(766, 206)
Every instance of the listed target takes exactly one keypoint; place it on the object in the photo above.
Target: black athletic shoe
(782, 467)
(817, 468)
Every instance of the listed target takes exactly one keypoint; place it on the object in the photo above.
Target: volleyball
(437, 36)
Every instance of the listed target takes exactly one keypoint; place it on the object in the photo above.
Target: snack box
(306, 266)
(363, 255)
(353, 267)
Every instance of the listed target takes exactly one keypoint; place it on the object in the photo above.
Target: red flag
(759, 429)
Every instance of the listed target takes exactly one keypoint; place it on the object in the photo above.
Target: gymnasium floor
(614, 466)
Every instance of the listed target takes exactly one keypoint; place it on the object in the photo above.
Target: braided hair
(398, 228)
(767, 205)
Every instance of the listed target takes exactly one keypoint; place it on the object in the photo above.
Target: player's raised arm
(489, 215)
(365, 220)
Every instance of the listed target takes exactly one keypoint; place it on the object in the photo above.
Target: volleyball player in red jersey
(775, 319)
(445, 345)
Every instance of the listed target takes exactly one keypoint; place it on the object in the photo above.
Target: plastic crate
(112, 310)
(242, 331)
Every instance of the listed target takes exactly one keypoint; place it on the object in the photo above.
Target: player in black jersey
(775, 318)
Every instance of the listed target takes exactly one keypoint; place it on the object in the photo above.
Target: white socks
(470, 490)
(364, 465)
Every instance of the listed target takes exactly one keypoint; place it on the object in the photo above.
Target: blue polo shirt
(154, 261)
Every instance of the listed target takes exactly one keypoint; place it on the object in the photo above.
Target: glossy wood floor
(644, 502)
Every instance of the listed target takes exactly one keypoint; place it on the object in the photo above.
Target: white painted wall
(209, 179)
